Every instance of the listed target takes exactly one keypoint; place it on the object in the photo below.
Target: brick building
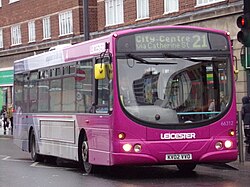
(32, 27)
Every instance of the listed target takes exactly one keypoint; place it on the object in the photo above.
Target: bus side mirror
(100, 71)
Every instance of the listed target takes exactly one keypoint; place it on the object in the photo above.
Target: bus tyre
(33, 148)
(83, 155)
(186, 167)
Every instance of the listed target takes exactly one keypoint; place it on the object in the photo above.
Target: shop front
(6, 86)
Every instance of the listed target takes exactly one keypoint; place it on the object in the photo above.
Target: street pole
(240, 138)
(247, 65)
(246, 8)
(86, 19)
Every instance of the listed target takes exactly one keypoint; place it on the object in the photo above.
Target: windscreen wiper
(137, 58)
(171, 55)
(206, 59)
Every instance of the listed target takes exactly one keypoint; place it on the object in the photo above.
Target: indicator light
(121, 135)
(231, 132)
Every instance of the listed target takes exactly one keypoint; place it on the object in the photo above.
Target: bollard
(240, 138)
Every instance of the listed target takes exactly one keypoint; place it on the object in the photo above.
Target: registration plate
(178, 156)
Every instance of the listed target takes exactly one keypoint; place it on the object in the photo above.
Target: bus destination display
(171, 41)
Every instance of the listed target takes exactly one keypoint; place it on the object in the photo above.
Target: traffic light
(243, 36)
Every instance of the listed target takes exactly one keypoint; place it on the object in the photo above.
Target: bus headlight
(218, 145)
(228, 144)
(137, 148)
(127, 147)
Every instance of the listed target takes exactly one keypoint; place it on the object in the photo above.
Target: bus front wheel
(83, 154)
(33, 148)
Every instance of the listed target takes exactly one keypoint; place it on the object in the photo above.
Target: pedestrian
(5, 119)
(10, 116)
(223, 101)
(211, 108)
(245, 113)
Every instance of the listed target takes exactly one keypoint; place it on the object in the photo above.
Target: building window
(46, 28)
(0, 3)
(114, 12)
(32, 31)
(206, 2)
(65, 23)
(142, 9)
(13, 1)
(16, 35)
(1, 38)
(171, 6)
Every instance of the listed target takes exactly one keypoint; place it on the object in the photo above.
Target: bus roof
(46, 59)
(184, 27)
(68, 53)
(60, 55)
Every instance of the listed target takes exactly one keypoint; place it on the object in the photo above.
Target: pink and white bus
(154, 95)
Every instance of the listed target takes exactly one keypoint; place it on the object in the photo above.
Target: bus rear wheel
(186, 166)
(83, 154)
(33, 148)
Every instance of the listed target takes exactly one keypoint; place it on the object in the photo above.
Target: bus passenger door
(20, 114)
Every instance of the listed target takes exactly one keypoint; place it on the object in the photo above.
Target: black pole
(246, 8)
(86, 19)
(240, 138)
(248, 70)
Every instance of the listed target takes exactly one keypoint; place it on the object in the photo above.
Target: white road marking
(5, 158)
(34, 164)
(37, 165)
(8, 158)
(3, 155)
(5, 138)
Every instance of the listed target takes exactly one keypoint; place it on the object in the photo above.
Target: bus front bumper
(223, 156)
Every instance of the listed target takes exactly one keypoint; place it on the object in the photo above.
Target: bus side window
(55, 96)
(33, 91)
(84, 86)
(104, 93)
(65, 70)
(68, 94)
(26, 93)
(43, 96)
